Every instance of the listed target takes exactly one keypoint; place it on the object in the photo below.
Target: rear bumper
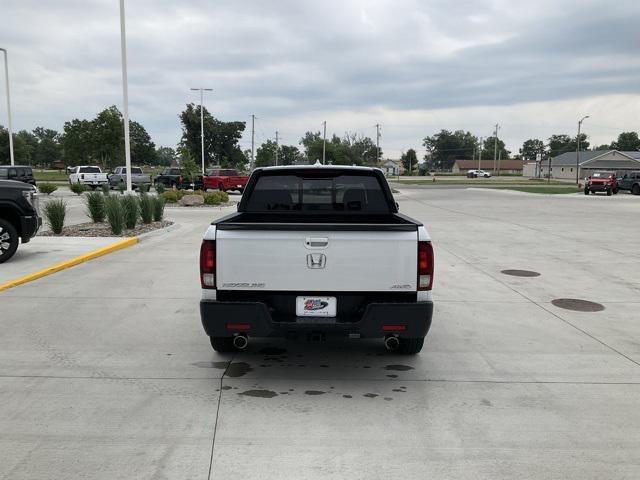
(218, 319)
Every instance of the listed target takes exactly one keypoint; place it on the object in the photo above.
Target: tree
(143, 150)
(489, 149)
(266, 154)
(108, 137)
(48, 149)
(445, 147)
(559, 144)
(627, 142)
(77, 142)
(221, 139)
(410, 161)
(312, 143)
(165, 156)
(531, 148)
(289, 155)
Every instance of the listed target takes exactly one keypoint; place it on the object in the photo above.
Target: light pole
(125, 97)
(202, 90)
(324, 141)
(6, 76)
(578, 149)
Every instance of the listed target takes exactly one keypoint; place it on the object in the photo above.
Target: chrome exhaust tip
(391, 343)
(240, 342)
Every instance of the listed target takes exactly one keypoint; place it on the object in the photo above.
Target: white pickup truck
(88, 175)
(316, 251)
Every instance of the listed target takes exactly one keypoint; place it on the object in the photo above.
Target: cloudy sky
(413, 66)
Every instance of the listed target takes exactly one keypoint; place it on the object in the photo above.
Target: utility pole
(6, 77)
(277, 147)
(495, 151)
(480, 155)
(378, 142)
(125, 97)
(324, 141)
(253, 131)
(578, 149)
(202, 90)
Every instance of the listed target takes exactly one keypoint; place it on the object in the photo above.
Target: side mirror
(397, 206)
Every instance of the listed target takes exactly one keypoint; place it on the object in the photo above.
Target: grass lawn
(478, 182)
(552, 190)
(50, 175)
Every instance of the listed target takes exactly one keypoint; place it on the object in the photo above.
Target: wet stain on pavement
(393, 375)
(238, 369)
(227, 387)
(259, 393)
(577, 305)
(220, 365)
(370, 395)
(314, 392)
(486, 403)
(388, 399)
(399, 368)
(347, 396)
(273, 351)
(521, 273)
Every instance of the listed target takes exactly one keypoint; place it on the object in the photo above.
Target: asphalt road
(105, 371)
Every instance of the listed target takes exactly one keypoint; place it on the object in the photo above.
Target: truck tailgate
(316, 261)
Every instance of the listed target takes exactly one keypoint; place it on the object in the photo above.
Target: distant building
(391, 167)
(506, 166)
(564, 166)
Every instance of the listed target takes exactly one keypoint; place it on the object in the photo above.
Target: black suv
(19, 217)
(19, 173)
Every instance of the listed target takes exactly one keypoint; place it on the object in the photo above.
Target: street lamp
(125, 98)
(6, 76)
(202, 90)
(578, 149)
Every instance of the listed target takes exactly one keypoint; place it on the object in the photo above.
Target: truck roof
(318, 166)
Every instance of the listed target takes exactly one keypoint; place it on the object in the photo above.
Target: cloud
(354, 63)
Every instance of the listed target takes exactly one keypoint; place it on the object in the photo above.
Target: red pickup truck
(224, 179)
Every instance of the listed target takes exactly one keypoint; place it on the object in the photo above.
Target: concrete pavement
(105, 371)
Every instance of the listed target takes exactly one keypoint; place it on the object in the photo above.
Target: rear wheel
(586, 191)
(410, 346)
(608, 192)
(221, 187)
(635, 190)
(222, 344)
(8, 240)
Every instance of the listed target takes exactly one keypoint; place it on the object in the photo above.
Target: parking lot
(105, 371)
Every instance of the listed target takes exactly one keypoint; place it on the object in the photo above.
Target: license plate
(316, 306)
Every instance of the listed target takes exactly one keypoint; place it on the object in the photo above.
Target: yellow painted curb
(127, 242)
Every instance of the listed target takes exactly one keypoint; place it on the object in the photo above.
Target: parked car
(631, 182)
(601, 182)
(173, 177)
(478, 173)
(138, 177)
(225, 179)
(88, 175)
(315, 251)
(20, 173)
(19, 216)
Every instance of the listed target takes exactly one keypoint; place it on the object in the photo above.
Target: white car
(478, 173)
(88, 175)
(317, 251)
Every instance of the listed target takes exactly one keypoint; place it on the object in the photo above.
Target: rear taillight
(208, 264)
(180, 179)
(425, 265)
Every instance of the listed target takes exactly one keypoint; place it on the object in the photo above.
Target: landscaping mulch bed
(220, 205)
(104, 230)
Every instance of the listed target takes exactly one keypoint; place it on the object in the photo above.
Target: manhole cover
(521, 273)
(577, 305)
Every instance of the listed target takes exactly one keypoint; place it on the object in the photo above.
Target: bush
(105, 188)
(143, 187)
(158, 208)
(122, 187)
(95, 206)
(78, 188)
(160, 188)
(115, 213)
(131, 210)
(146, 208)
(47, 188)
(55, 211)
(216, 198)
(170, 196)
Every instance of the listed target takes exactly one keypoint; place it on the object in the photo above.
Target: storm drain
(577, 305)
(521, 273)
